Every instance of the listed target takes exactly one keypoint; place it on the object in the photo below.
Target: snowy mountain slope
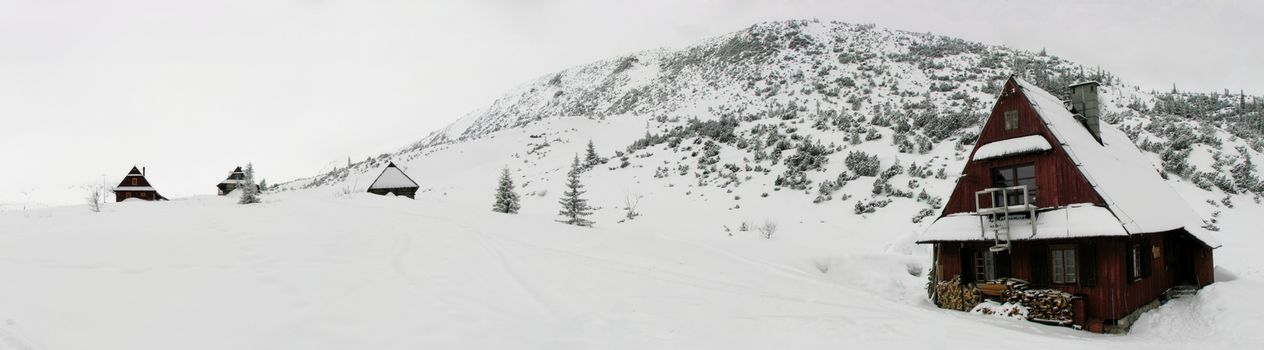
(800, 111)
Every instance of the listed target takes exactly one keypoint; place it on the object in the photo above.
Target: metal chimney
(142, 171)
(1084, 103)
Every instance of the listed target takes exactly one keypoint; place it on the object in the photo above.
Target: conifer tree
(249, 192)
(591, 159)
(263, 185)
(574, 209)
(506, 198)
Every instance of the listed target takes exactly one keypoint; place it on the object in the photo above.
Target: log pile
(955, 295)
(999, 287)
(1044, 305)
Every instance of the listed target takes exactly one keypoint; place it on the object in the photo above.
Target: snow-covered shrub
(1174, 161)
(923, 214)
(862, 164)
(867, 206)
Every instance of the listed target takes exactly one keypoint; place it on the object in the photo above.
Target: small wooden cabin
(393, 181)
(235, 179)
(135, 185)
(1052, 196)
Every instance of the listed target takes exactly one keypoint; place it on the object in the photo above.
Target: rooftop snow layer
(1075, 221)
(1011, 147)
(392, 177)
(134, 188)
(1121, 174)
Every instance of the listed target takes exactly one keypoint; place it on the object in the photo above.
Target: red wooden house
(135, 185)
(1052, 196)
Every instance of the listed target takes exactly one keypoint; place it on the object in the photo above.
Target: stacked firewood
(953, 294)
(1047, 305)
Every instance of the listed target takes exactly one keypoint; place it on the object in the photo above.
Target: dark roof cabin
(235, 179)
(135, 185)
(394, 181)
(1054, 198)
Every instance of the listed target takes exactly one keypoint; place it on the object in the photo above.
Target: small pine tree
(574, 208)
(249, 192)
(506, 198)
(591, 159)
(263, 184)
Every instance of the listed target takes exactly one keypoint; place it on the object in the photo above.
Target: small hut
(235, 179)
(135, 185)
(394, 181)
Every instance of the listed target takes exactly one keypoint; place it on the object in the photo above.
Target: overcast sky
(190, 89)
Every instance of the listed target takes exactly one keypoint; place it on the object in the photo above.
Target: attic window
(1011, 120)
(134, 181)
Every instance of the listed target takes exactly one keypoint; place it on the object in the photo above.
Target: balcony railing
(997, 215)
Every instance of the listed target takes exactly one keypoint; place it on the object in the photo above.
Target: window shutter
(1088, 264)
(1039, 265)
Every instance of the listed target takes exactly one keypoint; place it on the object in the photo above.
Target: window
(1021, 175)
(135, 181)
(1064, 263)
(1140, 259)
(144, 195)
(1011, 120)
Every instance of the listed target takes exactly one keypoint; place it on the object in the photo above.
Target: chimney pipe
(142, 171)
(1084, 104)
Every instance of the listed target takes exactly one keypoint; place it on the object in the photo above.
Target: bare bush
(767, 229)
(630, 202)
(95, 198)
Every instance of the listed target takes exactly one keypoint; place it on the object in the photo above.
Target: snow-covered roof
(1074, 221)
(1014, 146)
(134, 188)
(233, 181)
(1123, 176)
(392, 177)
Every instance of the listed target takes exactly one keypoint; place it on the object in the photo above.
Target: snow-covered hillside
(780, 106)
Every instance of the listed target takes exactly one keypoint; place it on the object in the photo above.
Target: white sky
(190, 89)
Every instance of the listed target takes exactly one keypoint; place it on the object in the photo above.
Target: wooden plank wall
(1059, 182)
(1115, 293)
